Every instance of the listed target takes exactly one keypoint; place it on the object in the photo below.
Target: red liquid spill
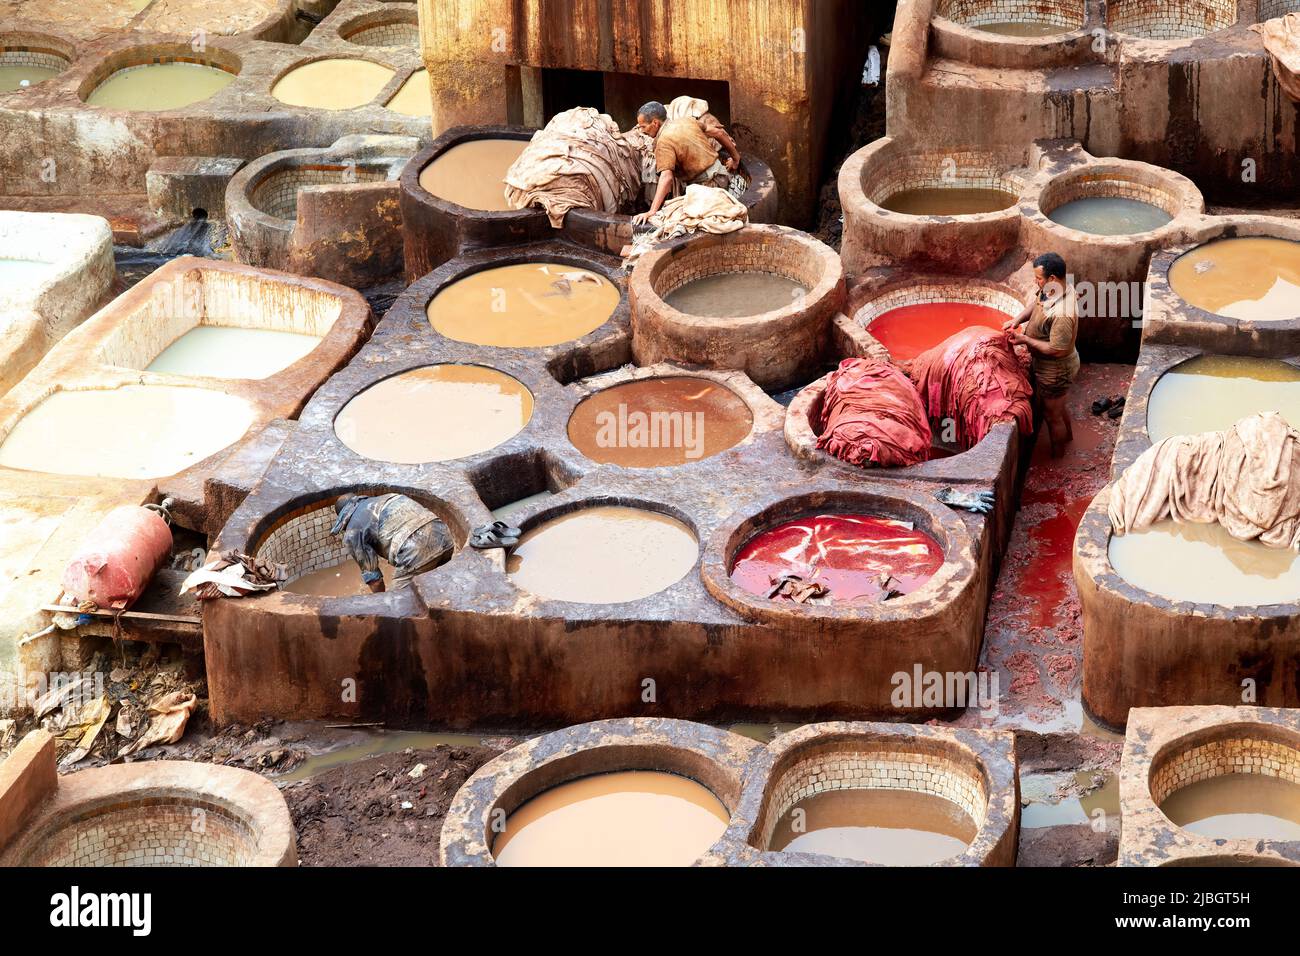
(1049, 573)
(911, 329)
(850, 554)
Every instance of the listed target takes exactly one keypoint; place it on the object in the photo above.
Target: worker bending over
(403, 532)
(685, 153)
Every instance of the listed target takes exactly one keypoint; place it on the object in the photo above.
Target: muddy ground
(382, 811)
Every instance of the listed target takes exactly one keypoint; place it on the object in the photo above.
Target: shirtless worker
(403, 532)
(1051, 321)
(685, 153)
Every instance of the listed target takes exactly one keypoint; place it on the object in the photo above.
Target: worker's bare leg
(1059, 430)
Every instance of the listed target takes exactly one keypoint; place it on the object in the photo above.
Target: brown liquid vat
(1170, 319)
(605, 347)
(660, 422)
(961, 32)
(778, 348)
(436, 230)
(965, 245)
(1169, 749)
(1145, 650)
(975, 769)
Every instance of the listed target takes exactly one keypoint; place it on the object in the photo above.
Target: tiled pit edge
(144, 814)
(777, 349)
(975, 769)
(1169, 747)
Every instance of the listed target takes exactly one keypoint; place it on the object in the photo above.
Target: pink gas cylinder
(115, 562)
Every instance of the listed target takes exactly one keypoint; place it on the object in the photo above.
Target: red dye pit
(911, 329)
(858, 557)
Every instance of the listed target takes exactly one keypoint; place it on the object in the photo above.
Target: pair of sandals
(1113, 407)
(498, 534)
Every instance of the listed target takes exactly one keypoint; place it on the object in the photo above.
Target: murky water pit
(621, 818)
(1069, 798)
(1251, 279)
(160, 86)
(736, 294)
(472, 173)
(1203, 563)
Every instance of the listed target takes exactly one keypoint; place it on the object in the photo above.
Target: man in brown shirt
(685, 153)
(1051, 321)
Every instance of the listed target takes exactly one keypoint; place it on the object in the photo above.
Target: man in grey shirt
(403, 532)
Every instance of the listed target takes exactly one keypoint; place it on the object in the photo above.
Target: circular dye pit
(338, 580)
(1254, 279)
(1110, 216)
(909, 330)
(1237, 806)
(888, 827)
(660, 422)
(736, 295)
(135, 431)
(160, 86)
(857, 557)
(948, 201)
(1204, 564)
(413, 98)
(20, 69)
(227, 351)
(603, 555)
(472, 174)
(1015, 18)
(529, 305)
(1170, 19)
(333, 84)
(1214, 392)
(435, 413)
(625, 818)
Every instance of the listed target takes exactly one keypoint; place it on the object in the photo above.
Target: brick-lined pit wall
(1068, 188)
(277, 194)
(1170, 19)
(934, 292)
(302, 541)
(393, 33)
(1067, 14)
(777, 349)
(1270, 9)
(150, 831)
(21, 56)
(923, 766)
(1226, 752)
(959, 169)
